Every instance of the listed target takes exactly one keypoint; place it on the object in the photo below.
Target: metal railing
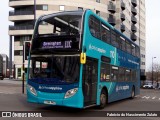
(134, 2)
(134, 19)
(123, 6)
(133, 28)
(123, 27)
(112, 20)
(111, 7)
(14, 13)
(123, 16)
(134, 10)
(133, 37)
(28, 27)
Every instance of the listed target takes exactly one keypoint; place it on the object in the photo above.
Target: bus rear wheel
(103, 99)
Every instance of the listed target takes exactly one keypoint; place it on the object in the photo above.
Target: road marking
(147, 97)
(159, 98)
(153, 98)
(5, 93)
(144, 97)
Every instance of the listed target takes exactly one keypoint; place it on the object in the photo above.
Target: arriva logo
(49, 88)
(100, 50)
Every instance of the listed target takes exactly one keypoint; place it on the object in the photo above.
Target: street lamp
(152, 69)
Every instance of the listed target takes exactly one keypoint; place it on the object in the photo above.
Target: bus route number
(112, 54)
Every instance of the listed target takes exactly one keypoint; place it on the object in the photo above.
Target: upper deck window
(94, 26)
(60, 24)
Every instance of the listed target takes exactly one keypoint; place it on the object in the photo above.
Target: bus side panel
(96, 48)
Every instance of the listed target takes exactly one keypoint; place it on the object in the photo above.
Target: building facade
(1, 67)
(128, 16)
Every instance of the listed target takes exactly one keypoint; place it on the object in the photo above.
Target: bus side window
(105, 72)
(121, 74)
(105, 33)
(123, 44)
(114, 41)
(128, 47)
(133, 50)
(94, 26)
(114, 73)
(133, 74)
(128, 75)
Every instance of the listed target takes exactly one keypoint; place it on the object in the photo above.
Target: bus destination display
(57, 44)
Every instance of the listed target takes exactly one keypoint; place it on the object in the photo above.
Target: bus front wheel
(103, 99)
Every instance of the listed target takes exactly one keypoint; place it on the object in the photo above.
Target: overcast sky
(152, 30)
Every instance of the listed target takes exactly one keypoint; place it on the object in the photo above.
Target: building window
(61, 7)
(98, 12)
(21, 53)
(18, 52)
(98, 1)
(24, 38)
(80, 8)
(19, 72)
(45, 7)
(143, 63)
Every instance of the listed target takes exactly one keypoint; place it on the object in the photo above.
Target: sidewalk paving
(12, 81)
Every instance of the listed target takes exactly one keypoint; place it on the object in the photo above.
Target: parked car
(150, 86)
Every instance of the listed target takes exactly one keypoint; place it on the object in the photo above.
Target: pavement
(12, 81)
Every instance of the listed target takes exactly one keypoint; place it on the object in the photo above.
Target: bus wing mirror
(83, 58)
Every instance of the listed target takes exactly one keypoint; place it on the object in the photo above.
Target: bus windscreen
(58, 32)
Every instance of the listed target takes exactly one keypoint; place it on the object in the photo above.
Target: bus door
(90, 78)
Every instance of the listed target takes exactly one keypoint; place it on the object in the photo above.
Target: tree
(156, 73)
(156, 69)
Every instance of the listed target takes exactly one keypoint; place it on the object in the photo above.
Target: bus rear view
(55, 55)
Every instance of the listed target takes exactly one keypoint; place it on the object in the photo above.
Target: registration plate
(49, 102)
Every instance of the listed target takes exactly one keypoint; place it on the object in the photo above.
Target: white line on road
(5, 93)
(147, 97)
(153, 98)
(144, 97)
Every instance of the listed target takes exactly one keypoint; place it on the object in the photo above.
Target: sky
(152, 30)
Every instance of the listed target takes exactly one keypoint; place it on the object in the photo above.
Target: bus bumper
(56, 99)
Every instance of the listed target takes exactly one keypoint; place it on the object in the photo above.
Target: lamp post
(152, 69)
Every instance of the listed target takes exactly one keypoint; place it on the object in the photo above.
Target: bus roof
(77, 12)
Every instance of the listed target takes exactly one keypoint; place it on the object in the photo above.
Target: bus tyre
(103, 99)
(132, 93)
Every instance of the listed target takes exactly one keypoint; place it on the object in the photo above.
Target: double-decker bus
(79, 60)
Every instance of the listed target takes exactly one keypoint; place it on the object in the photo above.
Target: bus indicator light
(83, 58)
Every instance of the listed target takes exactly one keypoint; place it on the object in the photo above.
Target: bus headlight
(32, 90)
(71, 92)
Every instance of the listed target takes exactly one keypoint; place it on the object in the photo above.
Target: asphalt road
(12, 99)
